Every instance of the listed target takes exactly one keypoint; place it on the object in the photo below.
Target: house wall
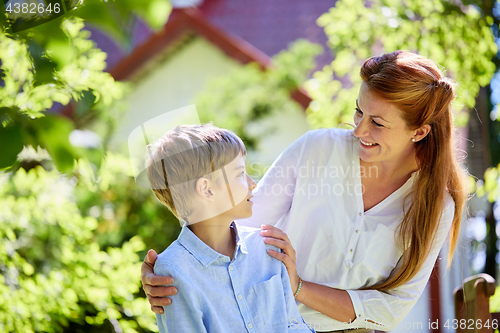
(174, 83)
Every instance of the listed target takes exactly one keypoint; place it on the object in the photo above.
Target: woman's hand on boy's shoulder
(157, 296)
(287, 255)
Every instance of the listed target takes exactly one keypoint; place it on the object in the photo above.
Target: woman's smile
(367, 144)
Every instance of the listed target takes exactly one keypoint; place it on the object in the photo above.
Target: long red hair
(417, 87)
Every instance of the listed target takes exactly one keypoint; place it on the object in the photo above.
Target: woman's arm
(385, 309)
(295, 320)
(153, 285)
(334, 303)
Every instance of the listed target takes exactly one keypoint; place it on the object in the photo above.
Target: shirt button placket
(353, 242)
(358, 225)
(239, 297)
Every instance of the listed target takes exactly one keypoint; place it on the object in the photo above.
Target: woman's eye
(360, 114)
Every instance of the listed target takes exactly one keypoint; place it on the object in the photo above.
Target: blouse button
(250, 325)
(357, 231)
(360, 214)
(349, 264)
(240, 297)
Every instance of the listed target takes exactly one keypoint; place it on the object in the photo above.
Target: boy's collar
(204, 253)
(240, 244)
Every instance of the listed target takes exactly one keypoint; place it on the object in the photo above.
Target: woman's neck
(390, 170)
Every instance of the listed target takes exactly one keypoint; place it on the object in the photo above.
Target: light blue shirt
(251, 293)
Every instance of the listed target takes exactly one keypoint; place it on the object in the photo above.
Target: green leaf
(28, 269)
(44, 67)
(155, 13)
(61, 51)
(11, 144)
(53, 134)
(106, 17)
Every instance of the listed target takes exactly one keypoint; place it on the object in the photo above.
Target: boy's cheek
(239, 192)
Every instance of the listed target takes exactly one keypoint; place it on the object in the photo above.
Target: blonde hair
(185, 154)
(416, 86)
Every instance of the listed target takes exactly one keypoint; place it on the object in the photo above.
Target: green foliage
(77, 68)
(56, 62)
(53, 276)
(489, 186)
(453, 35)
(63, 267)
(123, 209)
(242, 99)
(115, 16)
(495, 301)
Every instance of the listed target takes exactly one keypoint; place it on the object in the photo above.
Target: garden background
(74, 224)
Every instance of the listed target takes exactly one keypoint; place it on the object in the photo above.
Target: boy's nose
(251, 183)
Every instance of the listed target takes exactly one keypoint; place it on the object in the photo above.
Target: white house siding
(289, 125)
(174, 83)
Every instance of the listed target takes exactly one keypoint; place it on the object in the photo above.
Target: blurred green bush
(123, 209)
(54, 276)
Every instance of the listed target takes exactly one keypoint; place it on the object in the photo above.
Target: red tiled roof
(247, 30)
(271, 25)
(185, 21)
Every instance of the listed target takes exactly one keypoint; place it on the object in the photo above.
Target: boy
(226, 280)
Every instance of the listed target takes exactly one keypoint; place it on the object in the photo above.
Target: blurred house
(200, 43)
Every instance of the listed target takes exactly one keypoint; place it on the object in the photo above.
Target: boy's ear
(203, 189)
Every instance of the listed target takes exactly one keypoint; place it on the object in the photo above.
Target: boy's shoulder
(174, 257)
(250, 235)
(254, 241)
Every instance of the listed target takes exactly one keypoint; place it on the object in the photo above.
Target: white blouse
(313, 192)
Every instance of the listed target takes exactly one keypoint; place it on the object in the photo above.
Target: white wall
(174, 83)
(289, 125)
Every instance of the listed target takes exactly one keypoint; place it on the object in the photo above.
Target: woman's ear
(203, 189)
(422, 132)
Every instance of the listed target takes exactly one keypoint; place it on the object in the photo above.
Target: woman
(366, 210)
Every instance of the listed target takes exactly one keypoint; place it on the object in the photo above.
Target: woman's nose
(361, 129)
